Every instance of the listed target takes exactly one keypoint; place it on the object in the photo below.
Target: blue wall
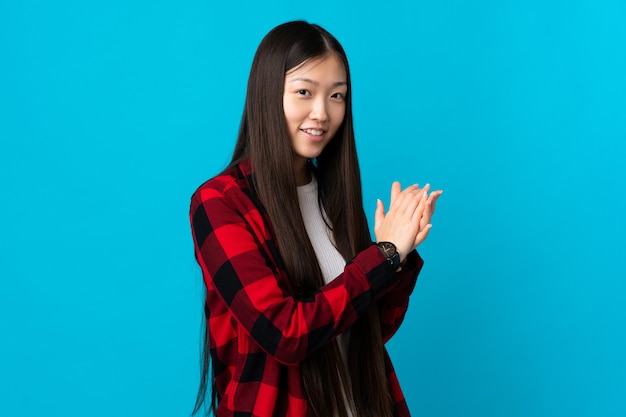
(111, 113)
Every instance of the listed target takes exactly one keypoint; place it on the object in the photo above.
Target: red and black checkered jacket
(258, 331)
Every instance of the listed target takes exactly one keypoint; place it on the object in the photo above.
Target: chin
(311, 154)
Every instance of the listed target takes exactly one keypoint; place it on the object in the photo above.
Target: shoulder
(232, 187)
(235, 177)
(228, 199)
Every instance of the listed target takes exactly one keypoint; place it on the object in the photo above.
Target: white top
(330, 260)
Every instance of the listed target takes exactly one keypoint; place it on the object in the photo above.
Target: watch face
(388, 248)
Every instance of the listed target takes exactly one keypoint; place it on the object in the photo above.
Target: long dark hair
(264, 138)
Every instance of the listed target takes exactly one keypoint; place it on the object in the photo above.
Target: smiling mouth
(313, 132)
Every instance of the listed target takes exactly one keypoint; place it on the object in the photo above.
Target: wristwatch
(389, 251)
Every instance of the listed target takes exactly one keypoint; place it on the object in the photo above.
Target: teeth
(314, 132)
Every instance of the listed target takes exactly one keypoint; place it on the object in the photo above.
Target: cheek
(293, 113)
(338, 115)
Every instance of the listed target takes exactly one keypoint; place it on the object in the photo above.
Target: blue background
(112, 113)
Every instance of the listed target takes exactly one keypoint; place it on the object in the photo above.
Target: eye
(303, 92)
(338, 96)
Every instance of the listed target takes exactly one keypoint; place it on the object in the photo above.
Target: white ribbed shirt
(330, 260)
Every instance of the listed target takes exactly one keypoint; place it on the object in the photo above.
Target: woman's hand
(407, 221)
(429, 210)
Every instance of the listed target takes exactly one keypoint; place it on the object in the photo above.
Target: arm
(393, 305)
(395, 301)
(234, 250)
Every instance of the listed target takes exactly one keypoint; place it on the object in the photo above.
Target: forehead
(329, 67)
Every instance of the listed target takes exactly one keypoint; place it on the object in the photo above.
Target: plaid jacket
(258, 331)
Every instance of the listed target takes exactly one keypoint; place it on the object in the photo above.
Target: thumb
(379, 215)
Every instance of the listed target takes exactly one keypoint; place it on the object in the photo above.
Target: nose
(319, 111)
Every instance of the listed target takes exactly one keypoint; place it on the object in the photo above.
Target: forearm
(394, 302)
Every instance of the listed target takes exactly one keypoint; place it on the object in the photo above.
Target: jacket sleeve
(233, 249)
(394, 302)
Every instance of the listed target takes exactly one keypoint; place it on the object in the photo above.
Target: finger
(415, 198)
(427, 214)
(399, 196)
(428, 210)
(406, 201)
(433, 199)
(379, 215)
(418, 214)
(409, 200)
(396, 188)
(422, 235)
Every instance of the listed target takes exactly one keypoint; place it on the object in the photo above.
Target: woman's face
(314, 103)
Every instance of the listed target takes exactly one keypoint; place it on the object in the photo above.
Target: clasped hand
(407, 222)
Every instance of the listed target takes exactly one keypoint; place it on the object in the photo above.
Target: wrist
(391, 254)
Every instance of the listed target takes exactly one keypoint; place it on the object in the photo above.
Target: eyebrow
(308, 80)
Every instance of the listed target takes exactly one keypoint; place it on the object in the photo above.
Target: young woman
(299, 300)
